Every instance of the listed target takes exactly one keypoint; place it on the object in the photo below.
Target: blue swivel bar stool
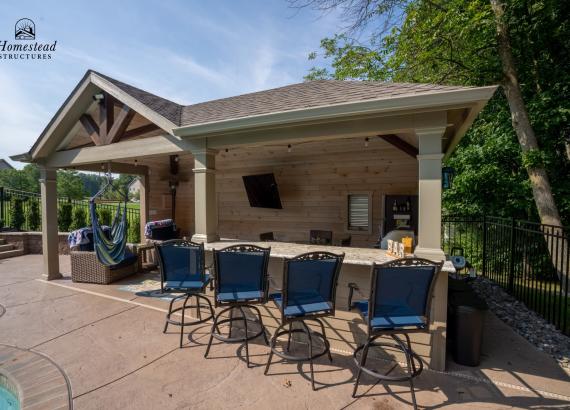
(308, 293)
(241, 282)
(182, 270)
(399, 304)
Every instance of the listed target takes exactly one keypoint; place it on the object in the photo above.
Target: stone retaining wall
(31, 242)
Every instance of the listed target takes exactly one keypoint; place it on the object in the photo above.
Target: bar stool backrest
(241, 268)
(180, 260)
(402, 288)
(311, 278)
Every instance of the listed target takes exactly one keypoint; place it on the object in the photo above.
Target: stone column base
(198, 237)
(435, 255)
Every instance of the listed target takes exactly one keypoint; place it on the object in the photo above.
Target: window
(358, 212)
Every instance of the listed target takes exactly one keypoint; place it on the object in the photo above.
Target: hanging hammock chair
(110, 248)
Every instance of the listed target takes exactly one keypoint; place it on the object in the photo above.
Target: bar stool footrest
(414, 372)
(293, 358)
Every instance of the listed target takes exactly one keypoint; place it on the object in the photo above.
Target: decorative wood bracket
(109, 129)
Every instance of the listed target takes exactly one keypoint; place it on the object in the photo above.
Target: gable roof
(296, 102)
(5, 164)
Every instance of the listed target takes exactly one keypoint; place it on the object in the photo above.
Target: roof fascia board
(462, 129)
(75, 104)
(448, 98)
(133, 103)
(325, 130)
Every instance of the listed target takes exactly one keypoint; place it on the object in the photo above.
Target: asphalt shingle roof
(310, 94)
(168, 109)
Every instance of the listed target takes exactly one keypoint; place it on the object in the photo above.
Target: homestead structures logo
(25, 29)
(26, 47)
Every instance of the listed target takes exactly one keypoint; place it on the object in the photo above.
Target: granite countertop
(352, 256)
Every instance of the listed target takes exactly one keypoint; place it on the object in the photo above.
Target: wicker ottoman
(86, 268)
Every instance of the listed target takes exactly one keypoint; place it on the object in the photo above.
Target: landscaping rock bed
(525, 322)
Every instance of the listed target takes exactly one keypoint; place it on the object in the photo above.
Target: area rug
(149, 288)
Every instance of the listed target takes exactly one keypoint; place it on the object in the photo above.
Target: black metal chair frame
(315, 317)
(186, 294)
(239, 305)
(413, 361)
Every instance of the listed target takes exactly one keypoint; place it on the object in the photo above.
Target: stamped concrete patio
(108, 344)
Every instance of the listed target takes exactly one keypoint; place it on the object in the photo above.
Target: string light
(366, 142)
(289, 148)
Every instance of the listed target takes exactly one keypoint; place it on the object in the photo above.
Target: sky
(186, 51)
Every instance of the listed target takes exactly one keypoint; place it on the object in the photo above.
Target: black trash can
(469, 318)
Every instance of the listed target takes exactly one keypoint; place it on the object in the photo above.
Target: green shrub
(134, 230)
(17, 214)
(64, 216)
(104, 216)
(79, 218)
(33, 216)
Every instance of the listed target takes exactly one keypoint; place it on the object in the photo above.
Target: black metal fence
(529, 260)
(11, 198)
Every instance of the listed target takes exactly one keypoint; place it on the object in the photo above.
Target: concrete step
(13, 252)
(6, 247)
(2, 241)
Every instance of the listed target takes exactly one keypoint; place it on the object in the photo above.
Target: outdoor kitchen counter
(352, 256)
(356, 269)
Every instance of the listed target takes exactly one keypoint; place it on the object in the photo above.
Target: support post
(429, 235)
(50, 238)
(205, 203)
(429, 187)
(143, 202)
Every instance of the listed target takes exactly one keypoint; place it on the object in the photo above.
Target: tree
(104, 216)
(33, 215)
(17, 217)
(475, 42)
(25, 179)
(134, 230)
(70, 185)
(541, 190)
(64, 216)
(79, 218)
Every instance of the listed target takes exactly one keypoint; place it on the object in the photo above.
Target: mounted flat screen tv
(262, 191)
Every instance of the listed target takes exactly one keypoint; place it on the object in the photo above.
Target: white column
(429, 202)
(205, 203)
(50, 238)
(429, 235)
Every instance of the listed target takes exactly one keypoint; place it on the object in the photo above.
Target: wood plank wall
(313, 181)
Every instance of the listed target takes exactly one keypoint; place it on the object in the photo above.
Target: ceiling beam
(123, 150)
(91, 128)
(115, 167)
(399, 143)
(120, 125)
